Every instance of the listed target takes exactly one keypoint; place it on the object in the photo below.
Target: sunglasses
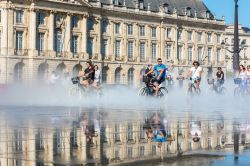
(159, 61)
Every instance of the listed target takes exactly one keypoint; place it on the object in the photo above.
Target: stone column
(10, 29)
(51, 32)
(83, 47)
(98, 38)
(32, 32)
(66, 144)
(66, 46)
(4, 39)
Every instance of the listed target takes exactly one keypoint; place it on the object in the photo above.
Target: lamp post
(236, 50)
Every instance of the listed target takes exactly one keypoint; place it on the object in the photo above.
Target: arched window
(42, 71)
(18, 72)
(118, 75)
(76, 69)
(60, 69)
(131, 76)
(104, 75)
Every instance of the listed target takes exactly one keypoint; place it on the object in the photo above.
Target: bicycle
(149, 89)
(242, 88)
(192, 87)
(215, 87)
(78, 90)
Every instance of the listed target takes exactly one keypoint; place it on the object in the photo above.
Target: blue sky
(226, 8)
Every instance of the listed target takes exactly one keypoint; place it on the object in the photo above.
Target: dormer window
(141, 4)
(207, 15)
(115, 2)
(165, 8)
(188, 12)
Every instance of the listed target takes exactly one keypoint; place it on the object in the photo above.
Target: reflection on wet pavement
(84, 136)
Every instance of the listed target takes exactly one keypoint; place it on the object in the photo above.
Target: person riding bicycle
(148, 74)
(220, 77)
(195, 73)
(88, 75)
(160, 74)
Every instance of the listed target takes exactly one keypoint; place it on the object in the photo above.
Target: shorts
(158, 81)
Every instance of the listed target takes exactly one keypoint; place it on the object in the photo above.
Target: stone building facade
(38, 37)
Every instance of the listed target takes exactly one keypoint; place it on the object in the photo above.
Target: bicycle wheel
(237, 92)
(162, 92)
(142, 91)
(223, 90)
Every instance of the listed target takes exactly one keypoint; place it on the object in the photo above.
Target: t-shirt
(196, 72)
(149, 75)
(220, 75)
(243, 75)
(90, 73)
(158, 68)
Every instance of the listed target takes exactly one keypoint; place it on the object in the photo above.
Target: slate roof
(179, 5)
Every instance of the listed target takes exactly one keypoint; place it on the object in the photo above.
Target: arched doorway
(118, 75)
(60, 69)
(76, 70)
(18, 72)
(43, 71)
(104, 75)
(131, 76)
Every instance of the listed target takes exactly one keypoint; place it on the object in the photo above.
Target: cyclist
(88, 75)
(195, 73)
(220, 77)
(160, 73)
(148, 74)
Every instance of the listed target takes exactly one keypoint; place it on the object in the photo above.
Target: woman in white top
(243, 76)
(248, 72)
(97, 77)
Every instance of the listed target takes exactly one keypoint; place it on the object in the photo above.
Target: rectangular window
(218, 56)
(199, 36)
(104, 47)
(142, 133)
(104, 26)
(190, 35)
(90, 46)
(117, 133)
(19, 16)
(142, 30)
(74, 22)
(19, 40)
(142, 51)
(153, 150)
(117, 154)
(59, 139)
(74, 45)
(179, 55)
(168, 33)
(209, 37)
(130, 131)
(130, 152)
(117, 28)
(142, 151)
(130, 49)
(218, 38)
(130, 29)
(18, 140)
(179, 35)
(190, 55)
(40, 19)
(209, 52)
(40, 140)
(200, 54)
(168, 51)
(153, 30)
(154, 51)
(58, 42)
(73, 137)
(40, 42)
(117, 48)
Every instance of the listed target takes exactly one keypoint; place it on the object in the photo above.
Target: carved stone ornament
(59, 21)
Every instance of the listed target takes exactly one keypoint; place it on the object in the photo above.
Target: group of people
(244, 74)
(156, 74)
(90, 75)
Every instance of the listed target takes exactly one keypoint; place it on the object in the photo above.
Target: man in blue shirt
(160, 73)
